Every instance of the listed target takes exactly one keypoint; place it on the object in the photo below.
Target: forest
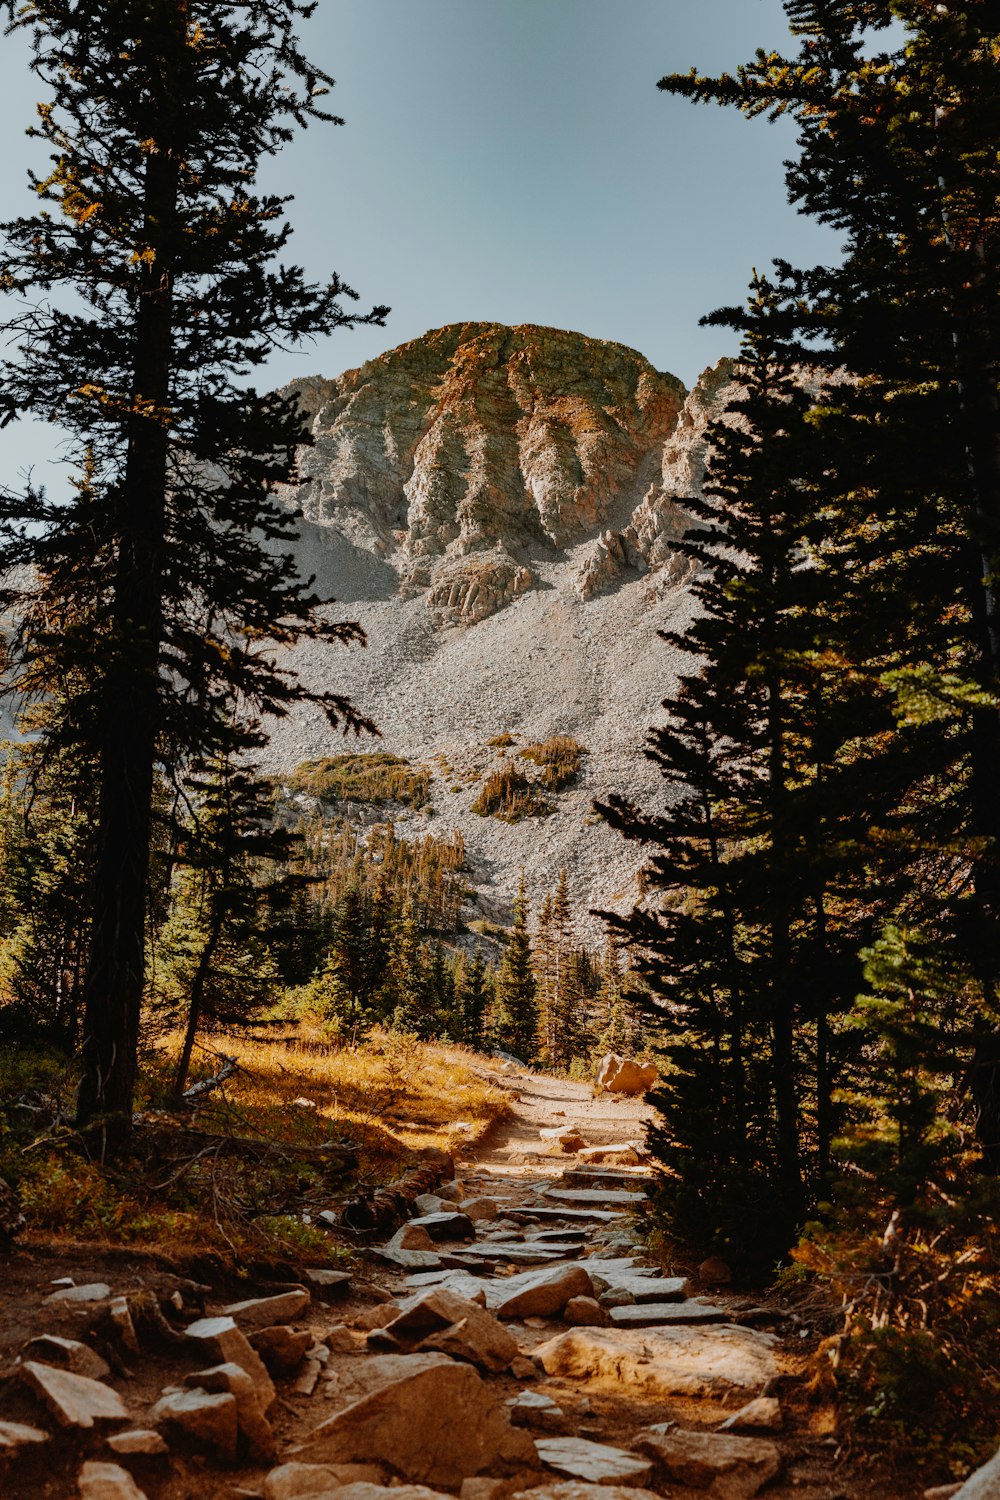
(815, 957)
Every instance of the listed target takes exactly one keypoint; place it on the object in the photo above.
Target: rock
(411, 1237)
(265, 1312)
(585, 1312)
(652, 1288)
(577, 1489)
(581, 1196)
(377, 1317)
(439, 1319)
(428, 1203)
(103, 1481)
(629, 1155)
(617, 1296)
(340, 1340)
(139, 1441)
(734, 1467)
(714, 1272)
(944, 1492)
(282, 1349)
(665, 1362)
(480, 1209)
(303, 1481)
(661, 1314)
(522, 1368)
(209, 1419)
(566, 1137)
(251, 1422)
(533, 1409)
(484, 1488)
(984, 1484)
(409, 1260)
(329, 1283)
(74, 1400)
(620, 1075)
(67, 1354)
(17, 1435)
(541, 1293)
(760, 1415)
(224, 1343)
(596, 1463)
(385, 1492)
(120, 1315)
(429, 1417)
(451, 1192)
(94, 1291)
(307, 1380)
(446, 1225)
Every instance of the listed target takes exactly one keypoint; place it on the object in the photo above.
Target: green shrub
(375, 776)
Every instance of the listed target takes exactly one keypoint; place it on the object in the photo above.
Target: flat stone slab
(566, 1215)
(446, 1225)
(539, 1294)
(559, 1236)
(94, 1291)
(662, 1314)
(599, 1197)
(74, 1400)
(107, 1481)
(596, 1463)
(712, 1361)
(266, 1312)
(517, 1254)
(17, 1435)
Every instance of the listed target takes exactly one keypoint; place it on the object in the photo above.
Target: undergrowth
(509, 795)
(374, 776)
(559, 757)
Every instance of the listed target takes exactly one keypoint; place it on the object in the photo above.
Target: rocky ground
(510, 1338)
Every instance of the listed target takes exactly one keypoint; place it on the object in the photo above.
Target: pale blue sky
(513, 160)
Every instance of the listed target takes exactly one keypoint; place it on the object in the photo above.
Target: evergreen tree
(475, 1000)
(174, 563)
(515, 1010)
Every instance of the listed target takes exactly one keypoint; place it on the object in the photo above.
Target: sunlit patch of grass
(559, 758)
(364, 776)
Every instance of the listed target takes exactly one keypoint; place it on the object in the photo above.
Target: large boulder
(450, 1324)
(430, 1418)
(733, 1468)
(698, 1361)
(984, 1484)
(620, 1075)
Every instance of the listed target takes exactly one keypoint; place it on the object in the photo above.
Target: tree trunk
(115, 974)
(195, 1002)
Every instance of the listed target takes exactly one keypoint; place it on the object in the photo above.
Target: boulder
(439, 1319)
(451, 1192)
(17, 1435)
(429, 1417)
(141, 1441)
(265, 1312)
(649, 1288)
(253, 1427)
(206, 1418)
(428, 1203)
(304, 1481)
(74, 1400)
(104, 1481)
(596, 1463)
(714, 1272)
(734, 1468)
(630, 1154)
(120, 1318)
(66, 1354)
(224, 1343)
(665, 1362)
(282, 1349)
(411, 1237)
(328, 1283)
(585, 1312)
(541, 1294)
(760, 1415)
(984, 1484)
(566, 1137)
(620, 1075)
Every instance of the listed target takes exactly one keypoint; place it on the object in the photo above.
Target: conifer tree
(151, 290)
(515, 1012)
(475, 1000)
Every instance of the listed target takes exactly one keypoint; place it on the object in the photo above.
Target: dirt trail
(534, 1219)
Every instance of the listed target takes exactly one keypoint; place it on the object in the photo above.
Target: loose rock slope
(500, 509)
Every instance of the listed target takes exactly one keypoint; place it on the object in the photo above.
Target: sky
(512, 161)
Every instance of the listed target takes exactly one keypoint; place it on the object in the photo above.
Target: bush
(559, 757)
(372, 777)
(508, 794)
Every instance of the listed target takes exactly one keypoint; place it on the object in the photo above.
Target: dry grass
(391, 1093)
(386, 1096)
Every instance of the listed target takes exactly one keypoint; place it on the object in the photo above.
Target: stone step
(565, 1215)
(597, 1196)
(599, 1176)
(663, 1314)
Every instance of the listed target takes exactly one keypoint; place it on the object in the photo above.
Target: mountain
(500, 507)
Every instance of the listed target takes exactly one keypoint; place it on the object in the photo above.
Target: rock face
(668, 1362)
(500, 509)
(620, 1075)
(477, 440)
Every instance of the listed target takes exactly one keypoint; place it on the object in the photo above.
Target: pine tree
(515, 1011)
(475, 996)
(158, 125)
